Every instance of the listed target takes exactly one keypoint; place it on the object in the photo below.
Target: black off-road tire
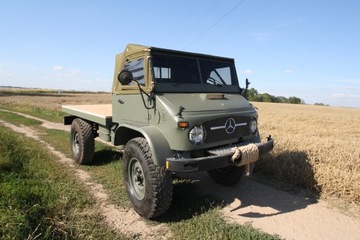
(149, 187)
(82, 141)
(227, 176)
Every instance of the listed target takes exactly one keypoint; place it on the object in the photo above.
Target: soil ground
(278, 212)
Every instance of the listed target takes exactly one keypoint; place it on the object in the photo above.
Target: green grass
(211, 225)
(47, 114)
(191, 215)
(17, 119)
(105, 169)
(39, 197)
(58, 139)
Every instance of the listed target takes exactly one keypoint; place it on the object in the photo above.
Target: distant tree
(253, 95)
(295, 100)
(259, 98)
(281, 99)
(266, 97)
(321, 104)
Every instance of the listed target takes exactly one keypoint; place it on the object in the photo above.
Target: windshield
(175, 73)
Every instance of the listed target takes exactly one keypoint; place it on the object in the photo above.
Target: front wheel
(227, 176)
(149, 187)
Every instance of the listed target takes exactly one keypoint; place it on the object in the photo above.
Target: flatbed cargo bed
(99, 113)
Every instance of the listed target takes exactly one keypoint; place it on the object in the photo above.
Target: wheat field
(49, 99)
(316, 146)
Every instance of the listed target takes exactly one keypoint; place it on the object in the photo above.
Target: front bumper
(218, 158)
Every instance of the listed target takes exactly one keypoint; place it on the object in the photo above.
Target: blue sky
(308, 49)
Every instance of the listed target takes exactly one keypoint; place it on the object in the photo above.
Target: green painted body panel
(198, 102)
(197, 111)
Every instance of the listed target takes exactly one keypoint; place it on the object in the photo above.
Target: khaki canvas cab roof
(136, 50)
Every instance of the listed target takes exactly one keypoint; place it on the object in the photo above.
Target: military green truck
(171, 111)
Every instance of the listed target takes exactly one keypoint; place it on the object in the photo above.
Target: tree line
(253, 95)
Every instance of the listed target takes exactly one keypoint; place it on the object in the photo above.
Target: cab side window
(136, 67)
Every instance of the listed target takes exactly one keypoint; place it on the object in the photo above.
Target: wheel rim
(75, 144)
(136, 179)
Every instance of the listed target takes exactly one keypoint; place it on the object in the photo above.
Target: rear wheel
(149, 187)
(227, 176)
(82, 141)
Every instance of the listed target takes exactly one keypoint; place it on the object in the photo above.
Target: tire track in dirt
(124, 221)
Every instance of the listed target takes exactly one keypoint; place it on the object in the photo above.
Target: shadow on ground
(254, 197)
(105, 156)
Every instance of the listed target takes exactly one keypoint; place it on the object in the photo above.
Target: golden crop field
(49, 99)
(316, 146)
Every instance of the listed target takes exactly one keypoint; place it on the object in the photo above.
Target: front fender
(159, 146)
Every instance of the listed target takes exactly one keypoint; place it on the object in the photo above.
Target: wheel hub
(137, 179)
(76, 143)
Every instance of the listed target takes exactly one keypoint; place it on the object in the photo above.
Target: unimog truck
(171, 111)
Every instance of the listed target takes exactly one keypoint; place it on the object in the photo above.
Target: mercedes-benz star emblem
(230, 126)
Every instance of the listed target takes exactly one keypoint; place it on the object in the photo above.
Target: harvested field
(316, 147)
(49, 100)
(46, 103)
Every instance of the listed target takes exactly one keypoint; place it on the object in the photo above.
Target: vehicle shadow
(254, 197)
(187, 200)
(105, 156)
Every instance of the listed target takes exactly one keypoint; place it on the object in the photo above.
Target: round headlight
(253, 126)
(197, 135)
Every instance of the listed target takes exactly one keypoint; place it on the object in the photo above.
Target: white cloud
(58, 67)
(3, 73)
(354, 96)
(248, 72)
(342, 95)
(338, 95)
(264, 36)
(352, 87)
(75, 71)
(348, 80)
(288, 71)
(72, 74)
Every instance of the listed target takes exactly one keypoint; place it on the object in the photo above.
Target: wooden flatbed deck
(98, 113)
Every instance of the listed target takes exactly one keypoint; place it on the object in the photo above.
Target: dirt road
(268, 209)
(278, 212)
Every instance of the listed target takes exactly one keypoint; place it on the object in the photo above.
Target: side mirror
(125, 77)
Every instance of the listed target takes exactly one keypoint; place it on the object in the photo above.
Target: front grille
(216, 129)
